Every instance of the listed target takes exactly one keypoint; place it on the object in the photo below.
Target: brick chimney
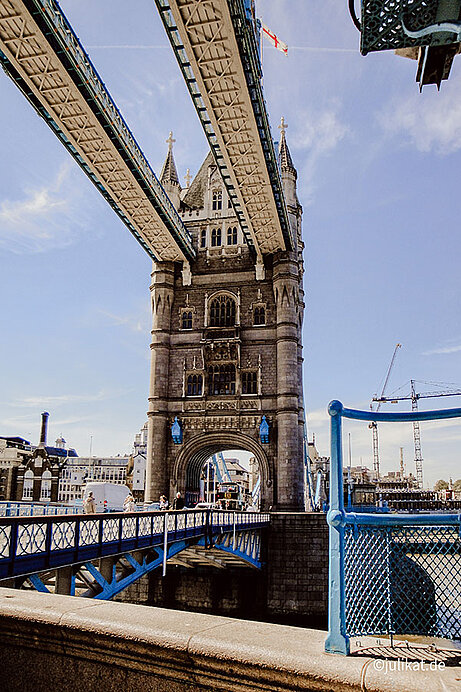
(45, 416)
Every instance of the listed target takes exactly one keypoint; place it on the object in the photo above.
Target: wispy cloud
(133, 323)
(442, 350)
(323, 49)
(431, 122)
(72, 420)
(53, 401)
(319, 134)
(452, 345)
(43, 218)
(131, 46)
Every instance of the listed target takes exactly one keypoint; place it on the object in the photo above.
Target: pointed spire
(169, 173)
(286, 162)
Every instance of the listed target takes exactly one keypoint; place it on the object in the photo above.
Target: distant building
(126, 469)
(81, 470)
(14, 451)
(136, 471)
(320, 474)
(394, 480)
(253, 473)
(38, 476)
(238, 474)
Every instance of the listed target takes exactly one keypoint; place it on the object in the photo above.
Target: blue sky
(378, 170)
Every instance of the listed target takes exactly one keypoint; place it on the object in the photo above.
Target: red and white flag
(272, 38)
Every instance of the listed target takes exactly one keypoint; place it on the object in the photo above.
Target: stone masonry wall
(297, 575)
(291, 589)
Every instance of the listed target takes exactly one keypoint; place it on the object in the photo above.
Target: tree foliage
(441, 485)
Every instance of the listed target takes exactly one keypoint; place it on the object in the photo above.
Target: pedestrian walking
(178, 502)
(129, 504)
(163, 502)
(89, 504)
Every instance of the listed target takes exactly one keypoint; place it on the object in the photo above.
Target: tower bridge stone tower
(226, 369)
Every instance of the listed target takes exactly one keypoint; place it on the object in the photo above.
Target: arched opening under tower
(228, 480)
(227, 473)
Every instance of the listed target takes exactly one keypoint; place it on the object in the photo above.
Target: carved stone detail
(222, 405)
(193, 405)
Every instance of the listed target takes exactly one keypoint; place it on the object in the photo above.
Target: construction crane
(413, 397)
(373, 425)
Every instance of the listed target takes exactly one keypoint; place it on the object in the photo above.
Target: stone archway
(189, 462)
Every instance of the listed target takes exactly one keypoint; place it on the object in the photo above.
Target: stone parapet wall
(50, 642)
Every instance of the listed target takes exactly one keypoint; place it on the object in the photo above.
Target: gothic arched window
(203, 237)
(186, 320)
(232, 235)
(28, 488)
(194, 385)
(259, 315)
(221, 379)
(216, 237)
(216, 200)
(45, 488)
(222, 312)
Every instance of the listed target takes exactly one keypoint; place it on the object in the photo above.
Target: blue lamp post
(176, 431)
(264, 431)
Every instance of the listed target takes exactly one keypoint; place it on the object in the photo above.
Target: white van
(109, 497)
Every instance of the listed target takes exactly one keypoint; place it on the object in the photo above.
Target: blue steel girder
(29, 545)
(216, 47)
(41, 53)
(139, 569)
(244, 545)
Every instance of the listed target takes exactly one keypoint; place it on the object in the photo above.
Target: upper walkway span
(217, 49)
(216, 46)
(43, 56)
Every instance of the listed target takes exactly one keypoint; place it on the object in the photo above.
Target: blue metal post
(337, 641)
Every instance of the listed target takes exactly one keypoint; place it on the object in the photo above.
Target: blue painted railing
(32, 544)
(389, 573)
(13, 508)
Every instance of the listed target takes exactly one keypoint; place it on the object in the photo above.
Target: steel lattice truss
(225, 87)
(89, 580)
(39, 50)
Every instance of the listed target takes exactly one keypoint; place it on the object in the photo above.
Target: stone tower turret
(169, 175)
(288, 171)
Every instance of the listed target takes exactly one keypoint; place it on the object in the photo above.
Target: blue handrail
(342, 522)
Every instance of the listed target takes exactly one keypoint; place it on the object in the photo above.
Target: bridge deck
(32, 544)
